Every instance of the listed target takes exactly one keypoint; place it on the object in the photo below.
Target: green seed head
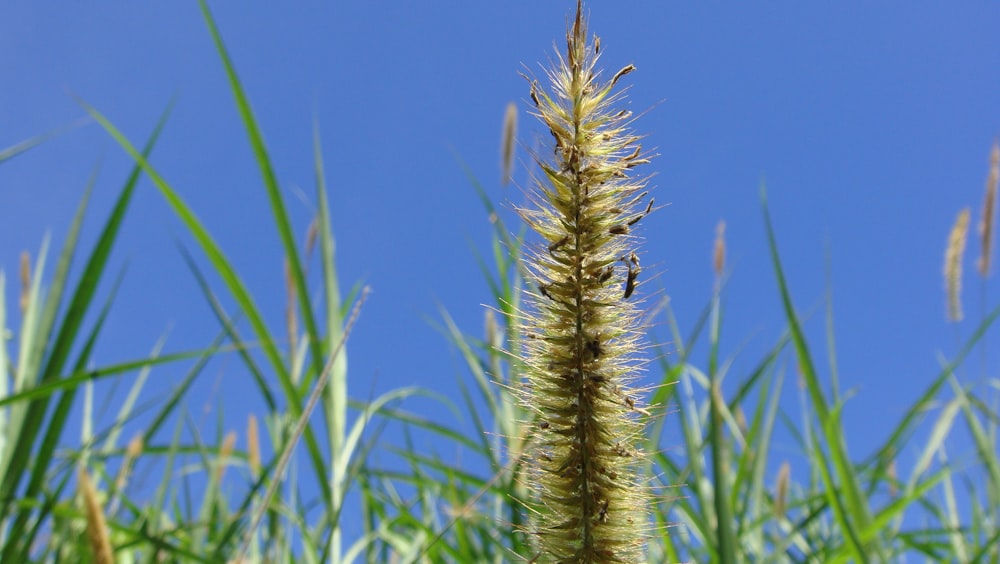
(582, 327)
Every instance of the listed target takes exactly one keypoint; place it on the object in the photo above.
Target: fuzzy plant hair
(581, 327)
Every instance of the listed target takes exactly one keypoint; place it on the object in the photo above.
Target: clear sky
(870, 122)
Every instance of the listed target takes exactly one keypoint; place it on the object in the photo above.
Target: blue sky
(871, 124)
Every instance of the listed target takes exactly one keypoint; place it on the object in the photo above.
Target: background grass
(716, 499)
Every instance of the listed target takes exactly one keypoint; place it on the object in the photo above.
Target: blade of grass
(856, 505)
(233, 282)
(725, 541)
(32, 142)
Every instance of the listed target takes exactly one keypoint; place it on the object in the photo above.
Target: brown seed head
(781, 489)
(225, 451)
(253, 445)
(25, 281)
(719, 254)
(953, 265)
(97, 529)
(989, 213)
(507, 141)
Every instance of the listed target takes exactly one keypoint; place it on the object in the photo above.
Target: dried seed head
(781, 489)
(225, 451)
(134, 447)
(25, 281)
(253, 445)
(311, 233)
(719, 255)
(953, 265)
(507, 141)
(989, 213)
(97, 528)
(132, 452)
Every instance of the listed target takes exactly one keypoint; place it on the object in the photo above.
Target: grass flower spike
(97, 528)
(953, 265)
(582, 330)
(989, 211)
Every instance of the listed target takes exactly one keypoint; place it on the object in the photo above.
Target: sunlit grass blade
(232, 280)
(855, 504)
(725, 541)
(270, 179)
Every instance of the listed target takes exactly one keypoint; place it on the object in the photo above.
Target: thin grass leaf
(725, 540)
(32, 142)
(856, 504)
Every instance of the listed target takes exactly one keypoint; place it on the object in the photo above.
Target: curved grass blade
(856, 505)
(232, 281)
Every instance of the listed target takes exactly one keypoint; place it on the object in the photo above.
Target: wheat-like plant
(582, 331)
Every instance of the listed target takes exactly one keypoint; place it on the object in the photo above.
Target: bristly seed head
(582, 332)
(953, 265)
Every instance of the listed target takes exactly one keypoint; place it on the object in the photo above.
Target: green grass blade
(232, 281)
(725, 542)
(856, 504)
(242, 348)
(271, 185)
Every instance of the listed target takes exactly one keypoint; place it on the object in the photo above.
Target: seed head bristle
(97, 529)
(953, 265)
(989, 213)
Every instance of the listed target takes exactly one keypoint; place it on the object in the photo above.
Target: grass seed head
(253, 445)
(225, 451)
(97, 528)
(719, 254)
(507, 140)
(953, 265)
(581, 332)
(25, 275)
(989, 213)
(781, 489)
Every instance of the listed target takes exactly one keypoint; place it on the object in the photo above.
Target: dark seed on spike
(558, 244)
